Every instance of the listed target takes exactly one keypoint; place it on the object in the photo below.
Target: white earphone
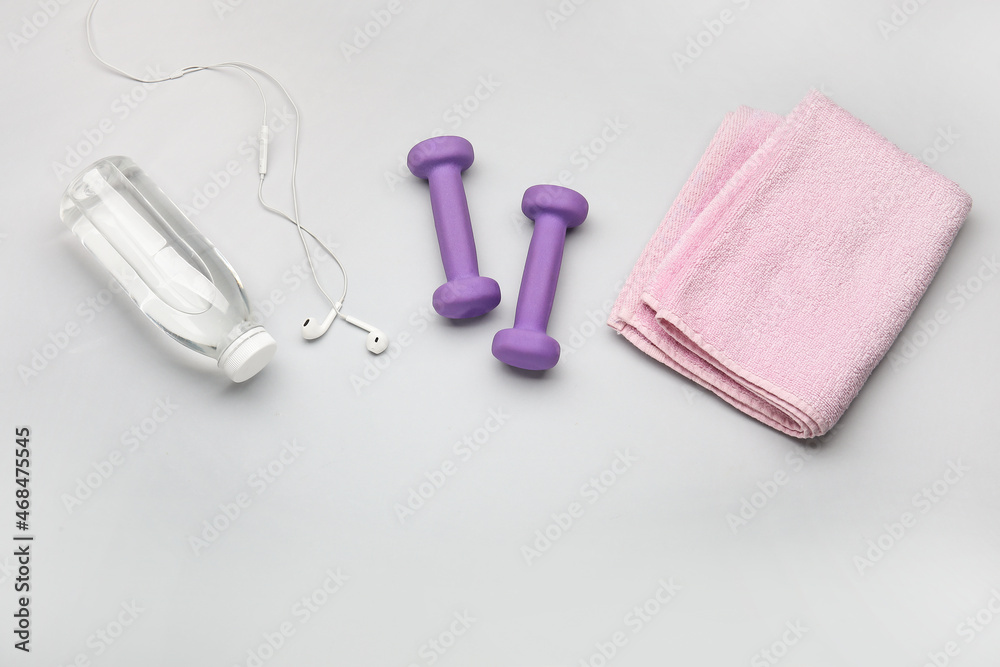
(377, 341)
(312, 329)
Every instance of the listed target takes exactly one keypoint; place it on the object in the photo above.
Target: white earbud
(377, 342)
(313, 328)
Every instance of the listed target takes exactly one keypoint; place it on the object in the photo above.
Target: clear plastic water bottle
(172, 272)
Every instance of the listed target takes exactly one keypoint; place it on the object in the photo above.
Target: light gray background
(696, 459)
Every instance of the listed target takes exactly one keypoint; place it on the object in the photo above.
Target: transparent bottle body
(168, 268)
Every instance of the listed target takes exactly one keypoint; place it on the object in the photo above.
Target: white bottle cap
(247, 355)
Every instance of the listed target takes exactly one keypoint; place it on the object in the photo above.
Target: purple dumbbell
(441, 161)
(554, 210)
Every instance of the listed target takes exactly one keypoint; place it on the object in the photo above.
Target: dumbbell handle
(541, 273)
(453, 222)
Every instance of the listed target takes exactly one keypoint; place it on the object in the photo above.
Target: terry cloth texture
(789, 262)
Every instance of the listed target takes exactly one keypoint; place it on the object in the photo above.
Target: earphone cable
(246, 69)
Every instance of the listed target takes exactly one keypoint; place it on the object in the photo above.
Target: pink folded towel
(789, 263)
